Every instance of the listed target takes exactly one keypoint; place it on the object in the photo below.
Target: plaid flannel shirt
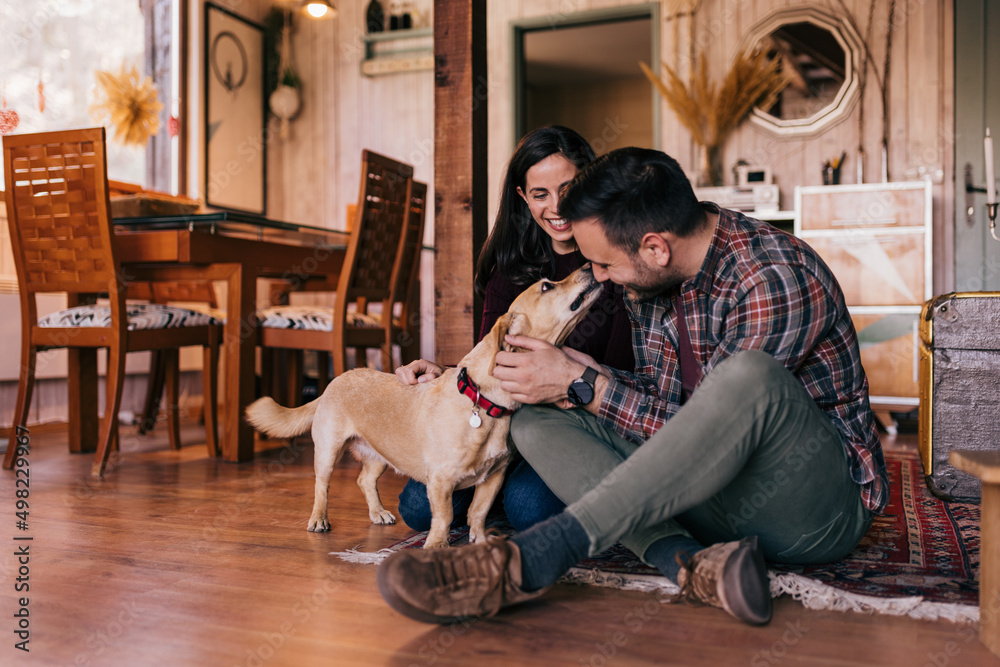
(758, 289)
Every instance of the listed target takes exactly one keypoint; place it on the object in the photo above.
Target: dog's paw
(382, 517)
(319, 525)
(439, 544)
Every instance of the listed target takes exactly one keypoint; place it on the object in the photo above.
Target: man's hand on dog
(541, 372)
(420, 370)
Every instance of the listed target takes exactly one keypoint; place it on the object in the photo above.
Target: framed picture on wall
(235, 118)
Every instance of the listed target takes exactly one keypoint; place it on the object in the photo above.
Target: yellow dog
(449, 433)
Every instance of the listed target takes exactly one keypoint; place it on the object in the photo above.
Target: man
(745, 432)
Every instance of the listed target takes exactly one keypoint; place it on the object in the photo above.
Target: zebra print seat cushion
(141, 317)
(205, 309)
(310, 318)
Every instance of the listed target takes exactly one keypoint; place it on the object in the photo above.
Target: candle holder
(991, 212)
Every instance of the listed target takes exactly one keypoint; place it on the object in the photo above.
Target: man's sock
(549, 549)
(662, 553)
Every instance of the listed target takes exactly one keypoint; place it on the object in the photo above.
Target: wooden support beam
(460, 171)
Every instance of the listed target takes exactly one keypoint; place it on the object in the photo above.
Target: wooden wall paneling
(675, 139)
(394, 114)
(334, 201)
(868, 134)
(368, 105)
(500, 60)
(896, 84)
(729, 32)
(944, 250)
(917, 143)
(460, 169)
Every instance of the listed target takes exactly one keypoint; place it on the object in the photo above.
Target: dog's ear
(500, 329)
(514, 324)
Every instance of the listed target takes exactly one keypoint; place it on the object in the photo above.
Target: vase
(709, 166)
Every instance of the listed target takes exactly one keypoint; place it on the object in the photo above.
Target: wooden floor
(180, 560)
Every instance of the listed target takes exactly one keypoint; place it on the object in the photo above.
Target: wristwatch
(581, 391)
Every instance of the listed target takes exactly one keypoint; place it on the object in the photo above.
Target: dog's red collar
(467, 387)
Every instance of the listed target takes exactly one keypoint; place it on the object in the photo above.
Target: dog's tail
(280, 422)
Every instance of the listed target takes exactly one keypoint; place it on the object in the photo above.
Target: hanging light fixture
(319, 9)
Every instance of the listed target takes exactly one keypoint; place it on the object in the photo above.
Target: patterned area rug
(919, 559)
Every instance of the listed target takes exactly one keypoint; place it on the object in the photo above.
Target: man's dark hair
(631, 192)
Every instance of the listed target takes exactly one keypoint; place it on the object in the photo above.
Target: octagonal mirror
(822, 55)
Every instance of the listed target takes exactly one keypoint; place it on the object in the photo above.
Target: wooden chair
(63, 241)
(400, 324)
(164, 365)
(371, 274)
(403, 325)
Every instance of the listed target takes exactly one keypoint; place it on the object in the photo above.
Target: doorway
(977, 107)
(581, 70)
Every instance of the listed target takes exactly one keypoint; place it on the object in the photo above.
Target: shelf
(392, 35)
(397, 51)
(773, 216)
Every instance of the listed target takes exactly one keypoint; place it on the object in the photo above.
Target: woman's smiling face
(542, 183)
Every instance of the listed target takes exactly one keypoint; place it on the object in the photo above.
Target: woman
(530, 241)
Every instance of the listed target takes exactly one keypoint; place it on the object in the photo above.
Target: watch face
(580, 392)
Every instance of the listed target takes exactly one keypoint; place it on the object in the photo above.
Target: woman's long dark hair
(517, 247)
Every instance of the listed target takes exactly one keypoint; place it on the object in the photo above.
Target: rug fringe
(646, 583)
(362, 557)
(817, 595)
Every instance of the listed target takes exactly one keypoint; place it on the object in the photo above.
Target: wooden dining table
(228, 246)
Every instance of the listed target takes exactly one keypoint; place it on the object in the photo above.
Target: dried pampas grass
(130, 102)
(711, 113)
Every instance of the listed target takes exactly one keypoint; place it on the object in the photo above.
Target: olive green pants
(750, 453)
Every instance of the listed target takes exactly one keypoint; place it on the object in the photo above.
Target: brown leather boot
(446, 585)
(730, 575)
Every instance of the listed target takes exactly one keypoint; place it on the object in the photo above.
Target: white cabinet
(876, 238)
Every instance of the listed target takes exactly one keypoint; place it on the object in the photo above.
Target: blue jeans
(526, 501)
(750, 453)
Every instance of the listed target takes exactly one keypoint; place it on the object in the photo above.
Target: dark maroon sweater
(605, 333)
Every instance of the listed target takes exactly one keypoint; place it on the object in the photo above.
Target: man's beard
(650, 284)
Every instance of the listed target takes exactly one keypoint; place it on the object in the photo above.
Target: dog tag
(475, 421)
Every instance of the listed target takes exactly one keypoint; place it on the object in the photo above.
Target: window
(48, 57)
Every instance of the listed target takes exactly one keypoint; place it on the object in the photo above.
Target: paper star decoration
(131, 104)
